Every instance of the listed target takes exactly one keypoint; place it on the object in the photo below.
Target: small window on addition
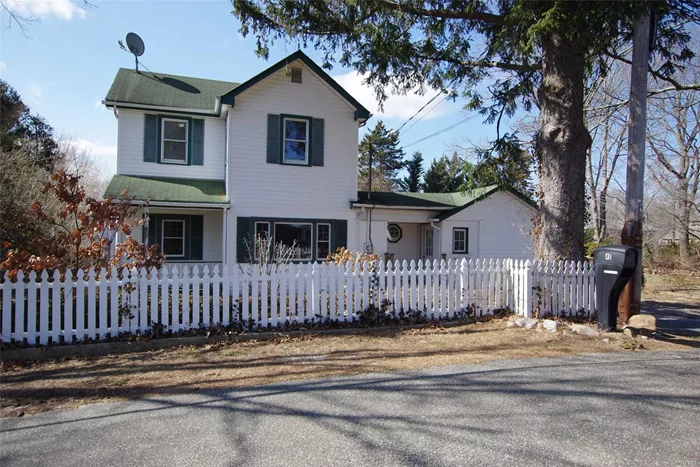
(459, 240)
(296, 75)
(394, 233)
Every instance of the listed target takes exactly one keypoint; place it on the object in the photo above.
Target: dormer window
(296, 75)
(174, 143)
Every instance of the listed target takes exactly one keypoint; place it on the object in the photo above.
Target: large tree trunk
(562, 144)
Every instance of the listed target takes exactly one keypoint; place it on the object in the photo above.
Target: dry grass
(46, 386)
(677, 287)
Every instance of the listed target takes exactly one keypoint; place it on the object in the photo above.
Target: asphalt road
(674, 317)
(639, 409)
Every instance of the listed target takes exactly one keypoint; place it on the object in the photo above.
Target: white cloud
(98, 103)
(402, 107)
(35, 91)
(64, 9)
(2, 66)
(96, 148)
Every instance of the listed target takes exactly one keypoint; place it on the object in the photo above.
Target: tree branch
(676, 85)
(447, 14)
(484, 63)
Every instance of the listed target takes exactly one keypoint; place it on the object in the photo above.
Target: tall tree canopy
(387, 159)
(20, 129)
(542, 51)
(412, 182)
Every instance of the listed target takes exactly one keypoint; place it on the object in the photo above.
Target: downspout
(224, 243)
(432, 224)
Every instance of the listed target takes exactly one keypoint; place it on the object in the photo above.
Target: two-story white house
(221, 162)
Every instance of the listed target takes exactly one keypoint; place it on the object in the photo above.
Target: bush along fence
(56, 308)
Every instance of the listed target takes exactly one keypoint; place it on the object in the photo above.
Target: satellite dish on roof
(134, 45)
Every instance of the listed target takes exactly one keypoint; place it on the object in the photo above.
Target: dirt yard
(40, 387)
(677, 287)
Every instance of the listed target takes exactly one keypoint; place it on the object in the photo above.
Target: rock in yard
(527, 323)
(510, 324)
(629, 332)
(584, 330)
(606, 340)
(647, 322)
(550, 325)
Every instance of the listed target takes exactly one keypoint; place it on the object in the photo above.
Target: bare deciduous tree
(672, 137)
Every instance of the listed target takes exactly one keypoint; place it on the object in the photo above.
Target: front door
(427, 241)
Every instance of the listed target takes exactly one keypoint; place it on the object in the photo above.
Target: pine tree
(387, 159)
(412, 182)
(446, 175)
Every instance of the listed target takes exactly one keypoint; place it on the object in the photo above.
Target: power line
(429, 110)
(420, 110)
(437, 132)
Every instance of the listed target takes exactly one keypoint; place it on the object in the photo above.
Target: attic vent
(296, 75)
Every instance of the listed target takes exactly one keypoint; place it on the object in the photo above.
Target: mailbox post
(614, 265)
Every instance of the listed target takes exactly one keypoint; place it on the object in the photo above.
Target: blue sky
(65, 67)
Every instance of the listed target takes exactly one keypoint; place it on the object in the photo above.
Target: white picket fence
(93, 305)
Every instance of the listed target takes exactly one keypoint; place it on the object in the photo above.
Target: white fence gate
(54, 308)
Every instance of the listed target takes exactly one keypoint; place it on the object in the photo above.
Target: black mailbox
(614, 265)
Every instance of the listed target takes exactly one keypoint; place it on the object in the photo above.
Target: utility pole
(631, 235)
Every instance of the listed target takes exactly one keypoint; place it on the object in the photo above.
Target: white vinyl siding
(259, 189)
(499, 227)
(130, 127)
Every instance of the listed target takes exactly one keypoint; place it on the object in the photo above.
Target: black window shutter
(150, 138)
(154, 231)
(196, 237)
(339, 235)
(317, 142)
(197, 145)
(273, 139)
(243, 239)
(466, 241)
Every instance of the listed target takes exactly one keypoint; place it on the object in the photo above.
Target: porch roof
(172, 190)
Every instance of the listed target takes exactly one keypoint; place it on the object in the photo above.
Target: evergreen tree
(387, 159)
(412, 182)
(534, 54)
(446, 175)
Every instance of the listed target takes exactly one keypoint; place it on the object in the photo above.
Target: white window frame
(312, 237)
(324, 241)
(255, 234)
(163, 237)
(454, 239)
(285, 139)
(163, 140)
(389, 237)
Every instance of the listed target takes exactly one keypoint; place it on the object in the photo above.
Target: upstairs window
(174, 143)
(296, 141)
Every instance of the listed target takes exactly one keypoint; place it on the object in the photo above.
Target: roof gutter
(176, 204)
(421, 208)
(130, 105)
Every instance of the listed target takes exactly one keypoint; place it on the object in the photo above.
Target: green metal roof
(162, 90)
(455, 202)
(180, 190)
(426, 200)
